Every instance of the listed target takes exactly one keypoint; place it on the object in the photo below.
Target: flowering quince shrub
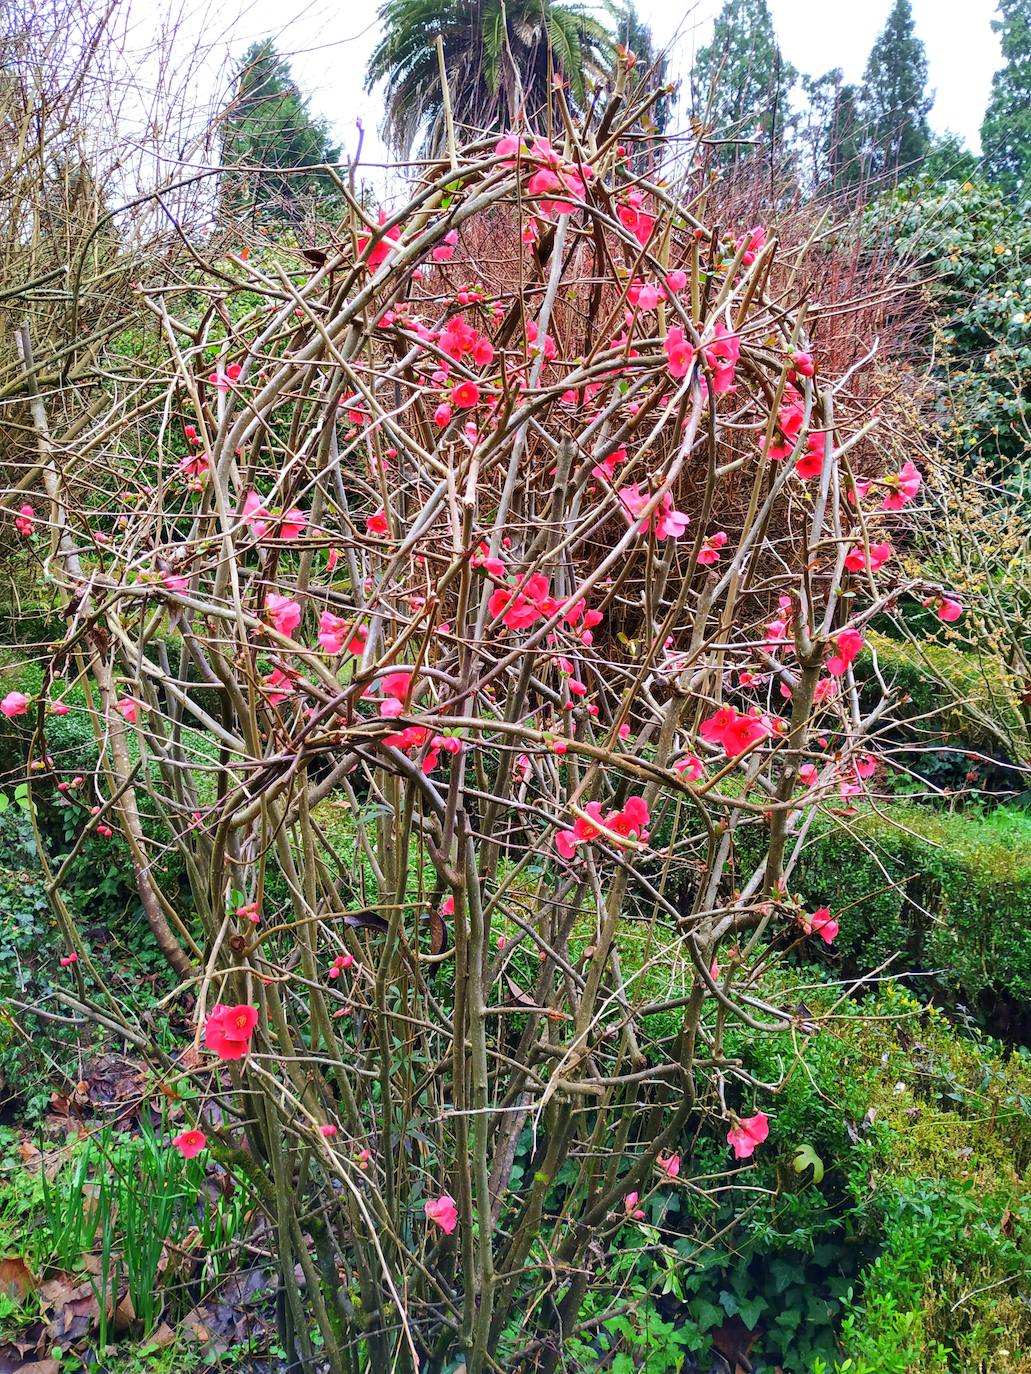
(551, 568)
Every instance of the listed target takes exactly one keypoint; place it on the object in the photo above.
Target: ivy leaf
(807, 1158)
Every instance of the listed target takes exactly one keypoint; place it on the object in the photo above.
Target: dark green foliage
(1006, 131)
(973, 248)
(896, 101)
(272, 147)
(740, 83)
(499, 57)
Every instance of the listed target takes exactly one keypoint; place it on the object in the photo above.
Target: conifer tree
(269, 139)
(1006, 131)
(896, 102)
(740, 82)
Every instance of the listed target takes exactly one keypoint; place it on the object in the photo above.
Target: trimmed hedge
(951, 893)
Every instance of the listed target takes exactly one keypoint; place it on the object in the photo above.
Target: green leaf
(807, 1158)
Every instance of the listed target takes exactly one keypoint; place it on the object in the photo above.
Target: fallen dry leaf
(16, 1278)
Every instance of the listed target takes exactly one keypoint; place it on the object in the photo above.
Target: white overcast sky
(329, 42)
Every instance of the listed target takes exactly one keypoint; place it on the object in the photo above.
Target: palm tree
(500, 56)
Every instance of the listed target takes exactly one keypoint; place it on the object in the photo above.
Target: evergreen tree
(834, 134)
(269, 139)
(1006, 131)
(740, 83)
(896, 100)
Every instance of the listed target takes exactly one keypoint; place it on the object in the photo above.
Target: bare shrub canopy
(464, 615)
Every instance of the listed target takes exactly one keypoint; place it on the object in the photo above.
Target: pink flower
(803, 364)
(857, 561)
(127, 709)
(634, 219)
(631, 1208)
(722, 356)
(14, 704)
(520, 606)
(249, 912)
(221, 380)
(709, 553)
(337, 635)
(494, 566)
(442, 416)
(445, 251)
(734, 732)
(902, 486)
(850, 644)
(715, 727)
(328, 1130)
(810, 464)
(752, 241)
(690, 767)
(949, 610)
(284, 613)
(465, 395)
(190, 1143)
(747, 1134)
(664, 522)
(228, 1030)
(443, 1212)
(508, 146)
(292, 524)
(606, 469)
(194, 465)
(820, 923)
(377, 523)
(679, 353)
(176, 583)
(278, 686)
(254, 514)
(632, 820)
(676, 280)
(383, 248)
(745, 732)
(59, 708)
(23, 520)
(669, 1164)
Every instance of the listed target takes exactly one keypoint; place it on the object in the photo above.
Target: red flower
(378, 523)
(722, 356)
(679, 353)
(465, 395)
(23, 520)
(228, 1030)
(190, 1143)
(811, 462)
